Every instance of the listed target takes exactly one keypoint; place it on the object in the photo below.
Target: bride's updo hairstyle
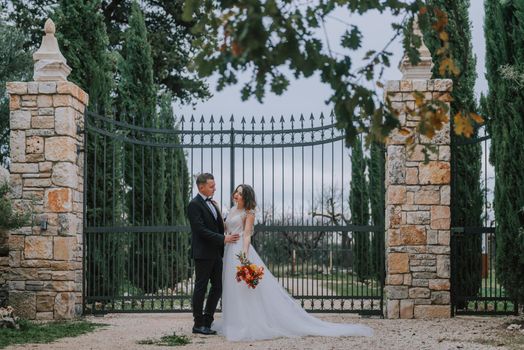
(248, 194)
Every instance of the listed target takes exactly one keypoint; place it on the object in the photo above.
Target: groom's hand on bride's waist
(231, 238)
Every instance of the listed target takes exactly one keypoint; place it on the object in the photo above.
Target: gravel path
(124, 330)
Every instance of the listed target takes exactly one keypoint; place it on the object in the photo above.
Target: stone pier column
(47, 145)
(417, 203)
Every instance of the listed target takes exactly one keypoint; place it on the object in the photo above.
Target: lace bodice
(235, 221)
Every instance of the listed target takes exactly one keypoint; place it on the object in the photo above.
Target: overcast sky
(308, 95)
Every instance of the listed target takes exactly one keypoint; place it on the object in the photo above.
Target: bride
(267, 311)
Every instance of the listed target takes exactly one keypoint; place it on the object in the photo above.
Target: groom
(207, 245)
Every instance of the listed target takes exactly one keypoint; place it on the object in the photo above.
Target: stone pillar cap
(50, 64)
(423, 69)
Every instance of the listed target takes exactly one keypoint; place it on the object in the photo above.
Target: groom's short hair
(202, 178)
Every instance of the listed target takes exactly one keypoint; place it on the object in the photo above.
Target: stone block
(65, 174)
(20, 119)
(406, 309)
(42, 182)
(58, 200)
(440, 298)
(393, 309)
(34, 285)
(44, 101)
(406, 85)
(45, 166)
(411, 176)
(408, 279)
(434, 173)
(17, 143)
(43, 122)
(444, 238)
(440, 217)
(427, 196)
(392, 85)
(412, 235)
(16, 88)
(444, 153)
(24, 168)
(38, 247)
(419, 293)
(443, 84)
(445, 195)
(424, 275)
(417, 217)
(395, 279)
(416, 154)
(65, 121)
(394, 216)
(47, 87)
(46, 111)
(68, 224)
(64, 307)
(396, 194)
(64, 248)
(423, 268)
(63, 276)
(14, 102)
(420, 85)
(35, 144)
(439, 284)
(60, 286)
(398, 263)
(32, 87)
(396, 165)
(60, 149)
(443, 266)
(62, 101)
(432, 237)
(432, 311)
(34, 158)
(24, 304)
(396, 292)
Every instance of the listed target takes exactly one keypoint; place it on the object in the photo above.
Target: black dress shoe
(211, 331)
(203, 330)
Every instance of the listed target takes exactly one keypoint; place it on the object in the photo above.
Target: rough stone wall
(4, 249)
(418, 211)
(46, 120)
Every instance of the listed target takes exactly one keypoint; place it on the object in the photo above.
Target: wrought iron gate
(475, 288)
(136, 237)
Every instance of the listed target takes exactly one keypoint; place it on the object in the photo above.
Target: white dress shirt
(210, 205)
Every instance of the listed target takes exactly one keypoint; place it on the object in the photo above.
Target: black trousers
(206, 271)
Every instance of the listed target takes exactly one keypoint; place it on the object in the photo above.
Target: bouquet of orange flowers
(248, 272)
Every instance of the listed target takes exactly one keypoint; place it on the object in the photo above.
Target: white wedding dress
(267, 311)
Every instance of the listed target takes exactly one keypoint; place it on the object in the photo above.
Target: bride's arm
(248, 230)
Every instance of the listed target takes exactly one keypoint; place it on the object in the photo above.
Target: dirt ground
(123, 331)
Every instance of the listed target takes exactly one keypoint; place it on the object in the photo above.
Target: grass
(31, 332)
(167, 340)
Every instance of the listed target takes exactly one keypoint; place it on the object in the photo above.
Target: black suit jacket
(207, 234)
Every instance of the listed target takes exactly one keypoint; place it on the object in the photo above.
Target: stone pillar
(4, 248)
(417, 203)
(46, 120)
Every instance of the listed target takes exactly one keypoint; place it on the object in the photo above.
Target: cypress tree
(377, 201)
(15, 64)
(467, 201)
(136, 101)
(359, 206)
(85, 45)
(504, 33)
